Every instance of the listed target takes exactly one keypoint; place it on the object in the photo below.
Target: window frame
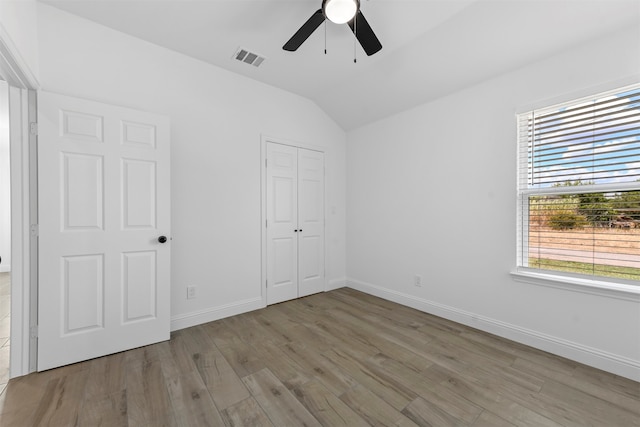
(599, 285)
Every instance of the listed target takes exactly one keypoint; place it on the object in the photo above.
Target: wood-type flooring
(341, 358)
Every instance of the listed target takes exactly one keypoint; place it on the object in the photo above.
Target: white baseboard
(195, 318)
(6, 268)
(613, 363)
(336, 284)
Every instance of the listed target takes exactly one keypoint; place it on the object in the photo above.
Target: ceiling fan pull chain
(355, 36)
(325, 36)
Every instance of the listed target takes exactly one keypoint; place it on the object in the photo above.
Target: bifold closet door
(295, 222)
(282, 221)
(310, 222)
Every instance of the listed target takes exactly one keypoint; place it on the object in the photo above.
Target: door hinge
(266, 223)
(33, 128)
(265, 163)
(35, 230)
(266, 283)
(33, 331)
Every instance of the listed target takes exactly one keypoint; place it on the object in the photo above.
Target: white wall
(432, 191)
(5, 181)
(19, 30)
(217, 119)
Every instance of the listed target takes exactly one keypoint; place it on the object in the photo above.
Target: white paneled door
(104, 254)
(295, 222)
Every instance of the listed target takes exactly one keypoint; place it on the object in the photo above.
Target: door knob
(162, 239)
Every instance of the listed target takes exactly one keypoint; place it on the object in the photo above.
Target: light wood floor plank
(246, 413)
(495, 402)
(425, 413)
(427, 385)
(373, 409)
(596, 408)
(335, 358)
(62, 401)
(243, 358)
(489, 419)
(357, 345)
(390, 389)
(21, 397)
(247, 328)
(190, 401)
(148, 400)
(109, 410)
(221, 380)
(282, 408)
(407, 350)
(332, 376)
(176, 357)
(282, 366)
(106, 375)
(326, 407)
(607, 382)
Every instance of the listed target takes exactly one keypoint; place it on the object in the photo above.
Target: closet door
(295, 222)
(310, 222)
(282, 223)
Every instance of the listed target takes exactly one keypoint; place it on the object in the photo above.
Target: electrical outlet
(417, 280)
(191, 292)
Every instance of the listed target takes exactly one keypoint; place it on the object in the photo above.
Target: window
(579, 187)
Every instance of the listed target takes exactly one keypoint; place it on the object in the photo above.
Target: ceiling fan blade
(365, 34)
(305, 31)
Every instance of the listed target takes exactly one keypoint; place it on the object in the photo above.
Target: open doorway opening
(19, 316)
(5, 236)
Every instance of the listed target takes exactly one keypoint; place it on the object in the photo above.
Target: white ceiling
(430, 47)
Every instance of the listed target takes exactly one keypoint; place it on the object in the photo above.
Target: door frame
(23, 139)
(264, 140)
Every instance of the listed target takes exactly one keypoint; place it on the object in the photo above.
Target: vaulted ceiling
(430, 47)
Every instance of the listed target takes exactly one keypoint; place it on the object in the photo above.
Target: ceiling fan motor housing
(340, 11)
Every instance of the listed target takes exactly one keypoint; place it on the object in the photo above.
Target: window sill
(603, 288)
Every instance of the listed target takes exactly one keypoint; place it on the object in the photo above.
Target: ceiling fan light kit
(340, 11)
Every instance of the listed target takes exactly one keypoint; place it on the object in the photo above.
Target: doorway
(19, 86)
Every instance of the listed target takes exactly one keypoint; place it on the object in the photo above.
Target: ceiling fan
(339, 12)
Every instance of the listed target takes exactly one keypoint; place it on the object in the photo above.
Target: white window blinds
(579, 186)
(595, 141)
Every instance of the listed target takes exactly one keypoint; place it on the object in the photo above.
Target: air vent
(248, 57)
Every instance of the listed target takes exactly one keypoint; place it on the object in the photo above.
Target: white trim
(621, 291)
(20, 78)
(609, 362)
(195, 318)
(30, 288)
(595, 188)
(291, 143)
(20, 236)
(336, 284)
(13, 67)
(263, 220)
(5, 268)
